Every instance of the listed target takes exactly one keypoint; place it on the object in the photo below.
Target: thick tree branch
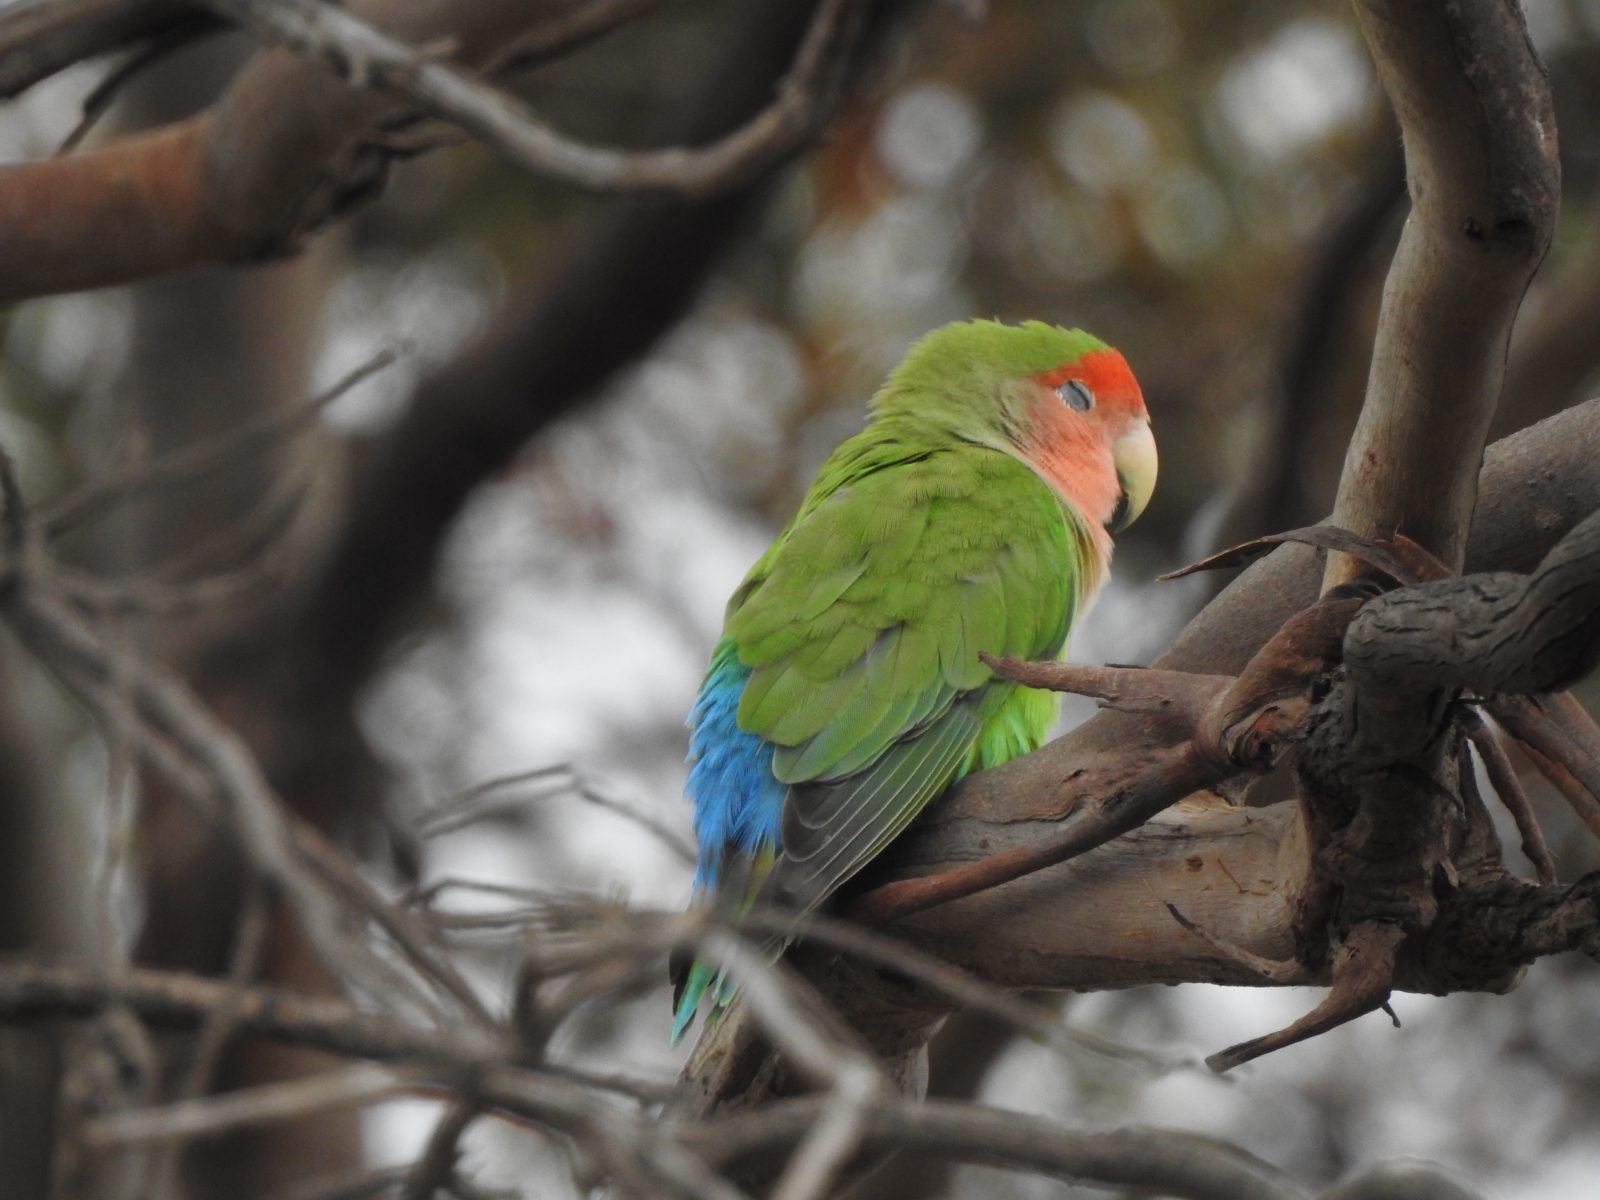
(1385, 824)
(1480, 139)
(1377, 764)
(292, 144)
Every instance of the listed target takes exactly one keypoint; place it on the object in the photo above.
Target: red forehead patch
(1108, 376)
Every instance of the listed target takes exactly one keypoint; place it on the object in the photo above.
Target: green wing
(862, 627)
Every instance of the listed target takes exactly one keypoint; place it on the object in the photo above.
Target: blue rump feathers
(738, 803)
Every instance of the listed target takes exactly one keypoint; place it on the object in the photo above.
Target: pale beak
(1134, 454)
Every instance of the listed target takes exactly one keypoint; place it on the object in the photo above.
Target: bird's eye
(1076, 395)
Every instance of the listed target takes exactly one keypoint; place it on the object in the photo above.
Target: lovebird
(973, 513)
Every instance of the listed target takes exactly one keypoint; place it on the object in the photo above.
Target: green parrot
(973, 513)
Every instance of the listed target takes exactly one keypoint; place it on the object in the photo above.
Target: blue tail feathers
(738, 802)
(738, 807)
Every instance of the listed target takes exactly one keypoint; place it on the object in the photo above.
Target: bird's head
(1061, 400)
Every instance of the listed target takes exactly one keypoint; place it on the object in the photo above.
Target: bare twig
(172, 999)
(964, 989)
(1401, 1181)
(1384, 554)
(358, 1185)
(1169, 1161)
(484, 800)
(184, 465)
(1551, 747)
(208, 763)
(438, 1161)
(1285, 972)
(1363, 977)
(414, 938)
(290, 1100)
(1503, 779)
(220, 768)
(1167, 774)
(562, 36)
(221, 1023)
(823, 1152)
(1131, 689)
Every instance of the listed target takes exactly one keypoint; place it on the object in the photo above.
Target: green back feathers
(862, 626)
(938, 532)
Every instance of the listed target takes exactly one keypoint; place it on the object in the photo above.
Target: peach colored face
(1089, 437)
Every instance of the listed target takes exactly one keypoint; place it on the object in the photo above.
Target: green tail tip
(694, 990)
(703, 978)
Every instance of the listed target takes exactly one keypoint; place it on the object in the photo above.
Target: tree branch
(291, 144)
(173, 1000)
(366, 57)
(1480, 139)
(1165, 1160)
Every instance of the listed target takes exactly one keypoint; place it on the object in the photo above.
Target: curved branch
(366, 56)
(1489, 633)
(1400, 1181)
(1480, 138)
